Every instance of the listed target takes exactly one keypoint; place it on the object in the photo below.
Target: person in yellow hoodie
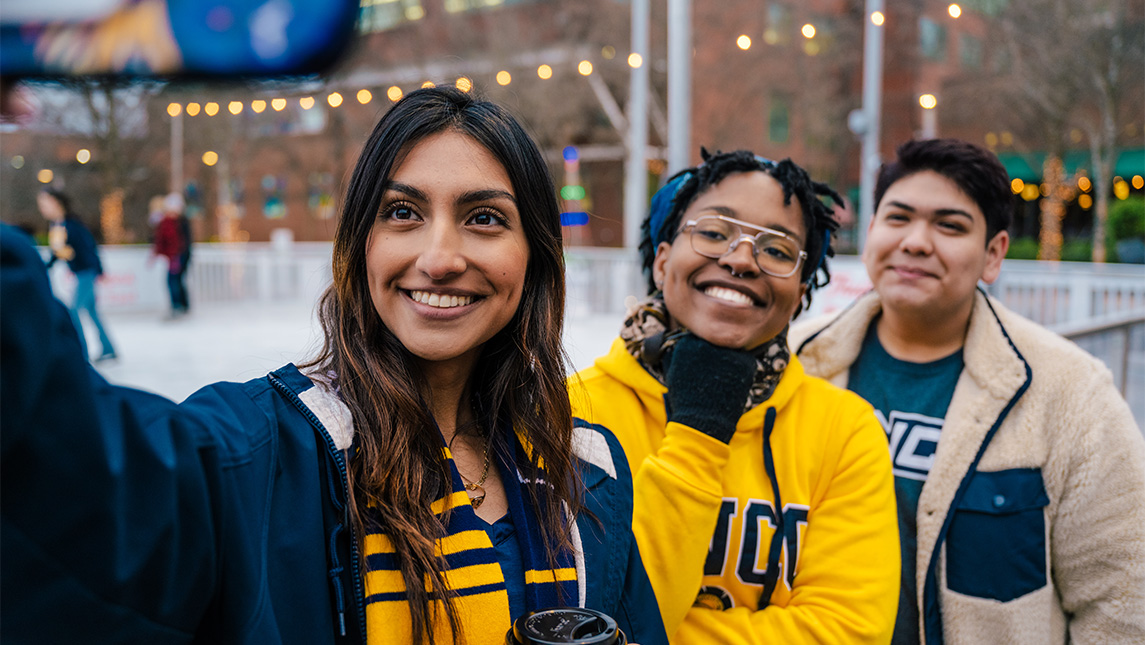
(764, 500)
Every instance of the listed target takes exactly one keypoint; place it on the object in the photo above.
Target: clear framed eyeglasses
(776, 253)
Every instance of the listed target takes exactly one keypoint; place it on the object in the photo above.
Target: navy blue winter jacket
(82, 242)
(129, 519)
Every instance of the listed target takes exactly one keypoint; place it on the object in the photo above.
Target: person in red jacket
(171, 242)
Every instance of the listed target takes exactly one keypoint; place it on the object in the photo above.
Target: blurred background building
(1056, 88)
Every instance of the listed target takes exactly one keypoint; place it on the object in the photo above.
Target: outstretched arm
(107, 521)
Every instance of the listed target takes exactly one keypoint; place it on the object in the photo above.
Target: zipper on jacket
(930, 613)
(340, 461)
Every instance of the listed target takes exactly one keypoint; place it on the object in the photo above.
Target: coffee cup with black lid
(565, 626)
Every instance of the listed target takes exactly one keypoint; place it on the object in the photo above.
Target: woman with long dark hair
(419, 481)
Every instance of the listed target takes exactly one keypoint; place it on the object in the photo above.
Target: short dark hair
(975, 170)
(818, 218)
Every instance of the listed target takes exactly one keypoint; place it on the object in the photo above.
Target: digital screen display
(172, 37)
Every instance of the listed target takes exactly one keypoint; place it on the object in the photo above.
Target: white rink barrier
(599, 281)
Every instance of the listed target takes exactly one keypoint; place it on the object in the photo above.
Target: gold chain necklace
(479, 485)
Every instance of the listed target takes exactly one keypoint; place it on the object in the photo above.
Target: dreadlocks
(670, 202)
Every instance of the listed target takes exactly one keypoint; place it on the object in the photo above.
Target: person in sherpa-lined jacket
(1019, 471)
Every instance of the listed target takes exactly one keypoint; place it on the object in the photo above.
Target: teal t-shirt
(910, 400)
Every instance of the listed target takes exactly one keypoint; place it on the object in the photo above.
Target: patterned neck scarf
(648, 337)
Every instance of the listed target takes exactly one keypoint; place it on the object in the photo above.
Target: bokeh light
(210, 157)
(545, 72)
(83, 155)
(1121, 189)
(504, 77)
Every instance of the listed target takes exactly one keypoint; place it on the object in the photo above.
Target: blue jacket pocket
(996, 547)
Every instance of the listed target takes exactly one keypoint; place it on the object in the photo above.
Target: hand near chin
(708, 385)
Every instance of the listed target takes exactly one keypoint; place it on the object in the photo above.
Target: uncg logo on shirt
(913, 440)
(752, 544)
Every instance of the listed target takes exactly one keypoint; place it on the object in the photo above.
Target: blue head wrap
(661, 206)
(665, 200)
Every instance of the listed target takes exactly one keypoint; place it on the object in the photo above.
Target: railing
(1049, 293)
(1098, 306)
(135, 282)
(1119, 341)
(599, 281)
(1053, 293)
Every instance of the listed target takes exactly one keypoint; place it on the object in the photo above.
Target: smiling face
(926, 249)
(446, 256)
(728, 301)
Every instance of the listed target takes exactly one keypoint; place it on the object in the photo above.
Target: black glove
(708, 385)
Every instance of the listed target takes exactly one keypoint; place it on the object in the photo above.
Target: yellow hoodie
(705, 512)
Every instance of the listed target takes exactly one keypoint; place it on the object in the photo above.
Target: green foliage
(1023, 248)
(1126, 221)
(1127, 218)
(1077, 251)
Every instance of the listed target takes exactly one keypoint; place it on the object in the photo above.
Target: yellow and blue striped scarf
(482, 602)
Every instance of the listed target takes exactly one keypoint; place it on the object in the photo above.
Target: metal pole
(929, 123)
(872, 111)
(636, 168)
(177, 153)
(679, 84)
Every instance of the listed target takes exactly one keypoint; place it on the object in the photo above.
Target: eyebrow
(470, 197)
(728, 212)
(939, 213)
